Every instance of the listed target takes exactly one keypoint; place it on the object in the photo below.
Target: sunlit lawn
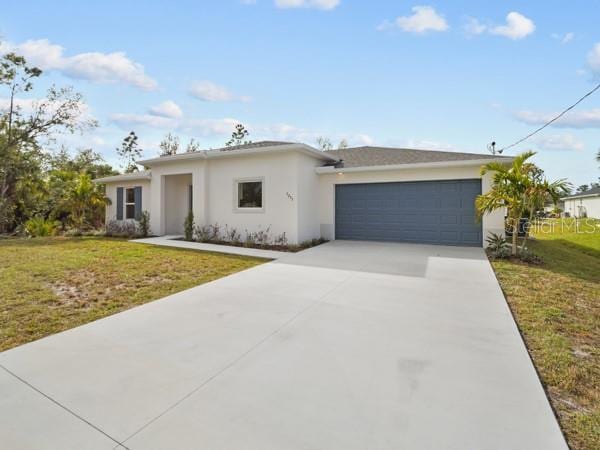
(557, 307)
(48, 285)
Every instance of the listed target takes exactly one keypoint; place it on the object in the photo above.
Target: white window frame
(236, 183)
(126, 203)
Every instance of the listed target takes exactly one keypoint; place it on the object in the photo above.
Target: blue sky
(436, 75)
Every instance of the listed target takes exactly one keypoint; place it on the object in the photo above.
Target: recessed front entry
(428, 212)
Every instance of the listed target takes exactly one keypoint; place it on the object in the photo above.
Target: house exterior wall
(161, 177)
(308, 198)
(590, 204)
(111, 193)
(279, 173)
(176, 202)
(297, 200)
(491, 223)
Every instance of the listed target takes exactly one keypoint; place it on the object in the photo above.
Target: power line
(551, 121)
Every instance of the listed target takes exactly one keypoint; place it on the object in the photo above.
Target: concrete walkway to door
(348, 345)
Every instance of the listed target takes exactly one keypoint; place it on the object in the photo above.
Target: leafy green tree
(583, 188)
(238, 137)
(509, 185)
(81, 198)
(63, 173)
(324, 144)
(518, 187)
(23, 131)
(193, 146)
(130, 152)
(540, 191)
(169, 145)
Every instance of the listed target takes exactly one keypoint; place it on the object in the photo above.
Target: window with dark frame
(130, 203)
(250, 194)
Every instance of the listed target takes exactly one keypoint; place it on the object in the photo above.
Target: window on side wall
(250, 195)
(130, 203)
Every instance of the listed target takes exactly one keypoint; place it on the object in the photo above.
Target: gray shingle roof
(252, 145)
(385, 156)
(592, 191)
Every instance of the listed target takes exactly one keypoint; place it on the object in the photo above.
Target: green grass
(557, 308)
(48, 285)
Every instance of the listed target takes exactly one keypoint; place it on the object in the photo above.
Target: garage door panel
(435, 212)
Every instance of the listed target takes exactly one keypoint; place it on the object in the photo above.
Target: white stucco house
(585, 204)
(363, 193)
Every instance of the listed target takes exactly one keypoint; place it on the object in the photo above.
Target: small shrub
(312, 242)
(202, 233)
(498, 247)
(38, 227)
(263, 237)
(232, 235)
(281, 240)
(188, 227)
(73, 232)
(250, 239)
(144, 224)
(215, 232)
(122, 228)
(527, 256)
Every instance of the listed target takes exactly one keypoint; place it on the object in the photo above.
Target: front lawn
(48, 285)
(557, 308)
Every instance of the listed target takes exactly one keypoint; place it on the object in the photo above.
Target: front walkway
(346, 346)
(175, 241)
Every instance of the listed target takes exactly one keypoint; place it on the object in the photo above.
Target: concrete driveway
(349, 345)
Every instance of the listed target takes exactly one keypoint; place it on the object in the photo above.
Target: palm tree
(540, 191)
(509, 187)
(83, 197)
(518, 187)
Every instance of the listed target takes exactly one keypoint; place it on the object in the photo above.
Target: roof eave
(423, 165)
(120, 178)
(574, 197)
(209, 154)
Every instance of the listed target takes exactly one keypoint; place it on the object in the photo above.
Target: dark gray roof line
(386, 156)
(250, 145)
(590, 192)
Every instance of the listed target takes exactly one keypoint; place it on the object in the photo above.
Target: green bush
(498, 246)
(38, 226)
(188, 227)
(144, 224)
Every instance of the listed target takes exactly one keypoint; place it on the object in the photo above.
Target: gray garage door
(431, 212)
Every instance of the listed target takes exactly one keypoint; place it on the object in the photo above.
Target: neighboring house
(585, 204)
(364, 193)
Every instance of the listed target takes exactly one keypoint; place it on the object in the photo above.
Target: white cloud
(211, 92)
(572, 119)
(126, 121)
(593, 59)
(564, 38)
(517, 26)
(97, 67)
(168, 109)
(559, 142)
(209, 127)
(192, 127)
(423, 19)
(316, 4)
(474, 26)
